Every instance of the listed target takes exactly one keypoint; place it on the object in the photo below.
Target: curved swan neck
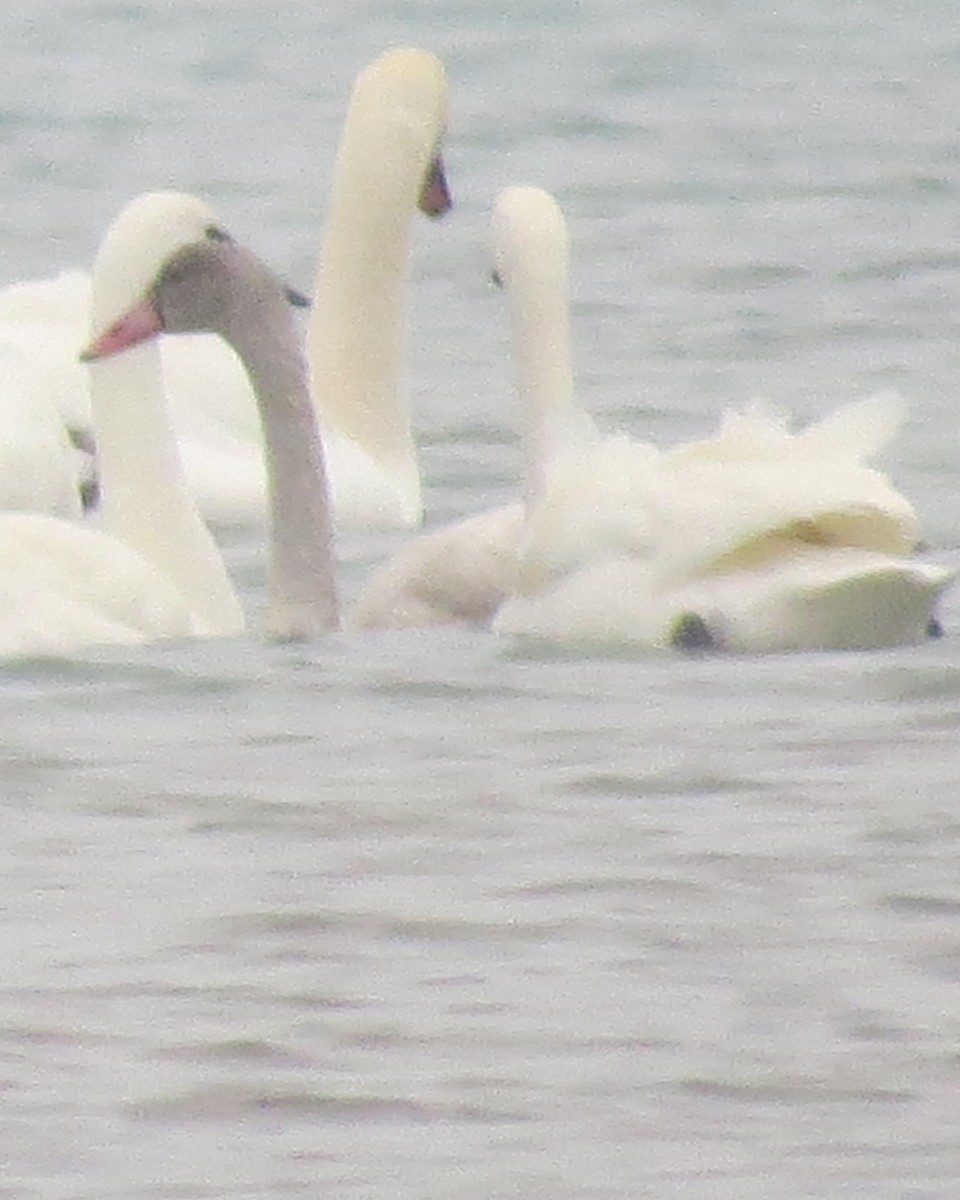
(144, 497)
(302, 598)
(532, 257)
(356, 331)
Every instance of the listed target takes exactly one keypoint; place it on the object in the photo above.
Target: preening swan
(388, 165)
(755, 539)
(212, 283)
(758, 539)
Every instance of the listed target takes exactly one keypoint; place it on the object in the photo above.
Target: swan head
(139, 249)
(435, 199)
(398, 110)
(526, 225)
(146, 232)
(691, 633)
(210, 285)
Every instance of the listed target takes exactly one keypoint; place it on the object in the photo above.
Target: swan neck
(540, 333)
(302, 599)
(143, 494)
(356, 331)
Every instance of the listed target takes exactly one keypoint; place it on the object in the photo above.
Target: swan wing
(459, 573)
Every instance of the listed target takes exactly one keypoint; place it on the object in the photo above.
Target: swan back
(39, 467)
(355, 332)
(754, 493)
(44, 392)
(740, 497)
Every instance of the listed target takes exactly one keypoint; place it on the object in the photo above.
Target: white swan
(758, 539)
(144, 500)
(388, 164)
(463, 571)
(153, 571)
(211, 283)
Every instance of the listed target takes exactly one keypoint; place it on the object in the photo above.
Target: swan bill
(137, 325)
(435, 198)
(692, 634)
(144, 322)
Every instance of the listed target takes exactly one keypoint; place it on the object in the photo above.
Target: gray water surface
(424, 915)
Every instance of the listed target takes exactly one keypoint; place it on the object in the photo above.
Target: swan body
(456, 574)
(760, 538)
(771, 540)
(68, 587)
(40, 467)
(46, 321)
(826, 599)
(388, 165)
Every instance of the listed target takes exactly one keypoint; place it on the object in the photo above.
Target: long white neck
(531, 246)
(355, 339)
(144, 497)
(143, 494)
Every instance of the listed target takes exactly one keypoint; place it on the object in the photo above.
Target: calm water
(416, 916)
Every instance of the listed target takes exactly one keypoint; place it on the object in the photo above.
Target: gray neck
(302, 596)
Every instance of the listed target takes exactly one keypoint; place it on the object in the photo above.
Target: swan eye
(215, 234)
(177, 272)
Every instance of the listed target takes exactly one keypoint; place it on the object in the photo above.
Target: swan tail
(859, 430)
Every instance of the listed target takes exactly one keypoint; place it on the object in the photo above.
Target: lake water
(421, 916)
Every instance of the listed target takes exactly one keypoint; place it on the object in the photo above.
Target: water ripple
(791, 1092)
(232, 1103)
